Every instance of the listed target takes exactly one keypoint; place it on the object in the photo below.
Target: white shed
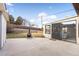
(3, 22)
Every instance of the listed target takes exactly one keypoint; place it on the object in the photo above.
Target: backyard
(38, 47)
(38, 34)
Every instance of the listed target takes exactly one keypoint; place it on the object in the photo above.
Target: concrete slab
(38, 47)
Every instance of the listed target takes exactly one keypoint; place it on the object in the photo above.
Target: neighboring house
(26, 27)
(3, 22)
(21, 28)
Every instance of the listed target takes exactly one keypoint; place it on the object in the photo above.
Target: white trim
(77, 29)
(2, 30)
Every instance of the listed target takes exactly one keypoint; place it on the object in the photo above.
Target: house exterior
(61, 30)
(65, 29)
(3, 22)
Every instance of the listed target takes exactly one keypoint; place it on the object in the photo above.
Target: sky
(48, 12)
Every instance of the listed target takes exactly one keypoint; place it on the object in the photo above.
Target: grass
(16, 35)
(24, 35)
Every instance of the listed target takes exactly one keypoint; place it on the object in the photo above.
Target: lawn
(24, 35)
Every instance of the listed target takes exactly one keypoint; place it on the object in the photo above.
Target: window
(47, 29)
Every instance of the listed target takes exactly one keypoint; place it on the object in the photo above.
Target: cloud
(42, 14)
(9, 4)
(32, 21)
(52, 17)
(47, 18)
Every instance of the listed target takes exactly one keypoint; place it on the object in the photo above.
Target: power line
(64, 11)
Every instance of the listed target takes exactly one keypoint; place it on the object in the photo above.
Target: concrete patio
(38, 47)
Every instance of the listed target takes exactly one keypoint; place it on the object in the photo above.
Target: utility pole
(42, 22)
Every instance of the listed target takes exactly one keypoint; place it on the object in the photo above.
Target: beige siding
(3, 11)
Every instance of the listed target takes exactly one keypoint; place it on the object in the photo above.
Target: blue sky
(31, 11)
